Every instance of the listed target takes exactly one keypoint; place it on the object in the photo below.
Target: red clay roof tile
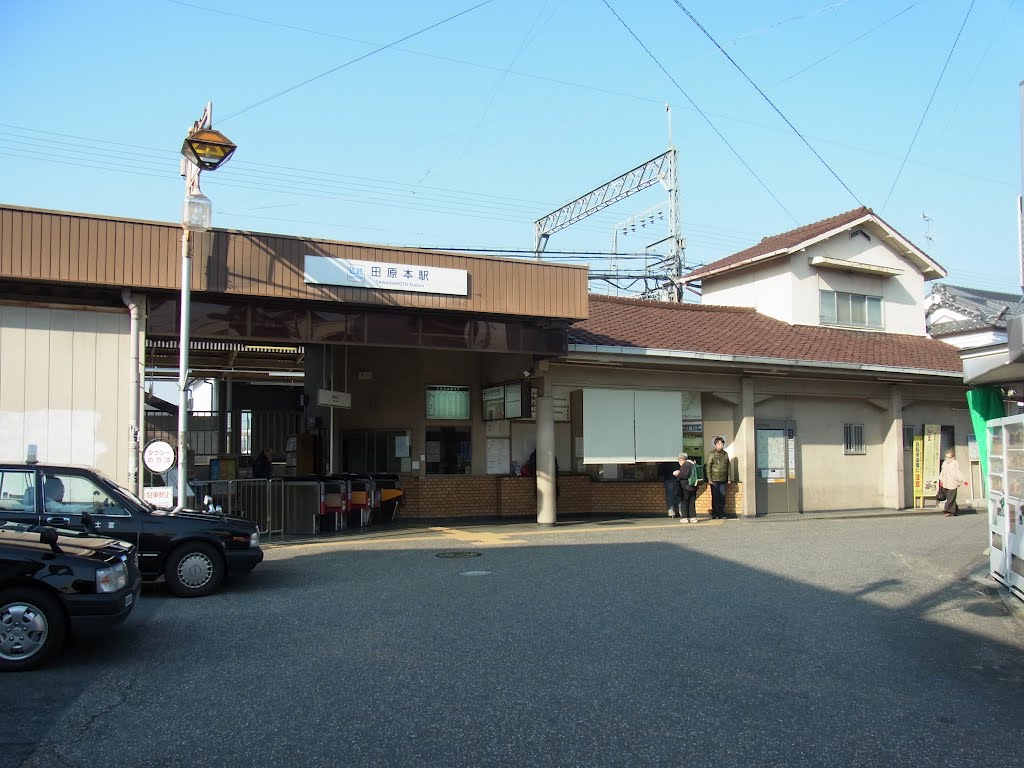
(782, 242)
(743, 332)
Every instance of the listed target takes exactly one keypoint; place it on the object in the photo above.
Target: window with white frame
(838, 308)
(853, 439)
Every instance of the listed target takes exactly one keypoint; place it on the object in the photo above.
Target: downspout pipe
(134, 390)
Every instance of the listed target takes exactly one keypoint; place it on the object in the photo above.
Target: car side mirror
(49, 536)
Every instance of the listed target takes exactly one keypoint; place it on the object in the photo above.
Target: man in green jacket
(716, 469)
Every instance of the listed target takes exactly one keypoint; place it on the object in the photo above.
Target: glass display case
(1006, 501)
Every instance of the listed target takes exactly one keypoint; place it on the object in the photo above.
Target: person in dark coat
(666, 471)
(263, 466)
(687, 480)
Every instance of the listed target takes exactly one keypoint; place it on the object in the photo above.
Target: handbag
(940, 495)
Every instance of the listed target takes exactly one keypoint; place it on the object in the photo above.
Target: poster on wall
(932, 446)
(499, 456)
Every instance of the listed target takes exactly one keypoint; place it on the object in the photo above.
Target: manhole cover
(476, 573)
(458, 553)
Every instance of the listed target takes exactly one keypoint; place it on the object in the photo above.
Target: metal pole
(183, 344)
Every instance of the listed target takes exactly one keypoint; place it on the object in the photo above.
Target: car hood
(94, 547)
(191, 514)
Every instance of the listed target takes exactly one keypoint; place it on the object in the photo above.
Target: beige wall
(64, 377)
(768, 289)
(787, 288)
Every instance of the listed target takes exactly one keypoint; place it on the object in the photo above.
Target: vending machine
(1006, 501)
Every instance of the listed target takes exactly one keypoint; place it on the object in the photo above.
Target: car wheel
(32, 628)
(194, 570)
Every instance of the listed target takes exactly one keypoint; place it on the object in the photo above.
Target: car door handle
(59, 520)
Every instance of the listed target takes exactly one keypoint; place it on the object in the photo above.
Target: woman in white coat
(951, 480)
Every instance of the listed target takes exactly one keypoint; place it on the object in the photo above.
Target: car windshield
(127, 494)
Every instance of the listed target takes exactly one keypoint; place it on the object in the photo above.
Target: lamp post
(204, 149)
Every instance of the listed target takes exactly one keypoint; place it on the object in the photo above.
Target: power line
(765, 97)
(332, 70)
(929, 105)
(848, 44)
(325, 185)
(700, 111)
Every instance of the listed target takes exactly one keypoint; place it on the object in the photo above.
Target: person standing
(950, 480)
(263, 466)
(716, 469)
(667, 473)
(686, 477)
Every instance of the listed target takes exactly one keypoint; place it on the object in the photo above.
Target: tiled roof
(779, 244)
(989, 307)
(742, 332)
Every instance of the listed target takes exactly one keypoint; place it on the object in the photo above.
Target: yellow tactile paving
(482, 537)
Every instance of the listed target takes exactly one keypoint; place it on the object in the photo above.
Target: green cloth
(985, 403)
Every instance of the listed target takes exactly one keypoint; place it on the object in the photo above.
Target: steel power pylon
(663, 170)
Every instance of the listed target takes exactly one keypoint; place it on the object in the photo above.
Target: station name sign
(385, 276)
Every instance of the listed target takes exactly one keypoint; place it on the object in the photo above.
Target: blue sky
(465, 134)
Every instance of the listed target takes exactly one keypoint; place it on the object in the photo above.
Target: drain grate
(458, 553)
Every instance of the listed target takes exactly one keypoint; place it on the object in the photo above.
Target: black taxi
(54, 586)
(193, 551)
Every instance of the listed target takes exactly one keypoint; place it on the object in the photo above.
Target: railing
(283, 506)
(278, 507)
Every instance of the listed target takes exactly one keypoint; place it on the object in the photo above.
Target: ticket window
(449, 451)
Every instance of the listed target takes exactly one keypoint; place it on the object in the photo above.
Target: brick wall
(501, 496)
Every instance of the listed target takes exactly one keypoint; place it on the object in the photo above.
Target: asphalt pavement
(844, 641)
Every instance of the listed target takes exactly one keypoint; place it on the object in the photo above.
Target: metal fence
(287, 507)
(278, 507)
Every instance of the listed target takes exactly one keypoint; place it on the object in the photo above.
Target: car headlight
(112, 578)
(254, 540)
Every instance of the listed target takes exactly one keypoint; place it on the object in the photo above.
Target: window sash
(853, 439)
(853, 309)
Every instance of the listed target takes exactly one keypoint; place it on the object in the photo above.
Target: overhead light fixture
(207, 148)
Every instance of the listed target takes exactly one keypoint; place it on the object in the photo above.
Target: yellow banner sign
(918, 468)
(932, 446)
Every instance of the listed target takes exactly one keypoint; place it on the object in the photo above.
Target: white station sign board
(385, 276)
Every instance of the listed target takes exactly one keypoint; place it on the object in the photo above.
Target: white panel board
(608, 426)
(659, 425)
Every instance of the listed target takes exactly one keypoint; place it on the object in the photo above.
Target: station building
(457, 372)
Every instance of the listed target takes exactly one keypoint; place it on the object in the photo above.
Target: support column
(746, 449)
(893, 494)
(546, 479)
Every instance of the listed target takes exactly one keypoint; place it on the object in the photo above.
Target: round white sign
(158, 456)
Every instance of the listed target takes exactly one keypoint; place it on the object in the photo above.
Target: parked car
(193, 551)
(53, 586)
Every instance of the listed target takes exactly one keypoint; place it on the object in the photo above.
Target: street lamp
(204, 149)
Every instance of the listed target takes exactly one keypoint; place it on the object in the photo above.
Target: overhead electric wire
(929, 104)
(367, 55)
(847, 44)
(524, 43)
(700, 112)
(81, 153)
(765, 97)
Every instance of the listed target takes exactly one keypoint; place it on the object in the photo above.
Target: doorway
(777, 483)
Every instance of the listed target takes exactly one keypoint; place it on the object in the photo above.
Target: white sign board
(163, 497)
(385, 276)
(499, 456)
(331, 399)
(158, 456)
